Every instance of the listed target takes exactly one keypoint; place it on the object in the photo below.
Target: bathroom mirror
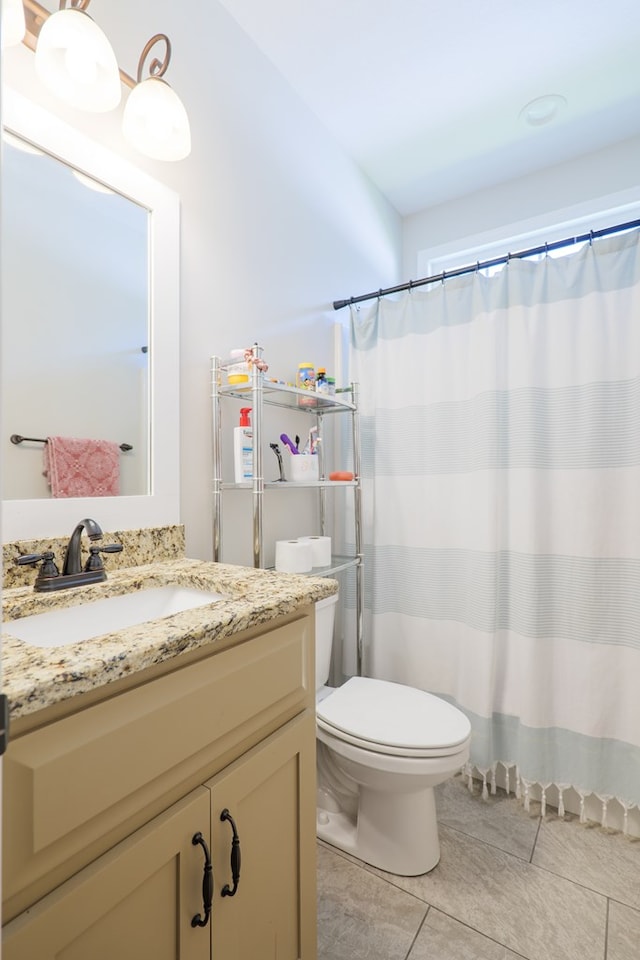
(89, 323)
(75, 300)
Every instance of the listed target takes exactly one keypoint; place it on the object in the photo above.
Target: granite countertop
(38, 677)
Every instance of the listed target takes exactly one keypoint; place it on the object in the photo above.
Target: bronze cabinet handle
(207, 884)
(235, 857)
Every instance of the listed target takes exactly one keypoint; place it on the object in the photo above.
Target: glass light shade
(13, 23)
(75, 61)
(155, 122)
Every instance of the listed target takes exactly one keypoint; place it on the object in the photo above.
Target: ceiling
(427, 96)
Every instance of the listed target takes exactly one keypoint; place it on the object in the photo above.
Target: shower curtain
(501, 492)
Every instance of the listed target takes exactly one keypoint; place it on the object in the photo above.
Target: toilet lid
(394, 716)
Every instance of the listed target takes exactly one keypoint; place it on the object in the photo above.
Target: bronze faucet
(72, 555)
(49, 577)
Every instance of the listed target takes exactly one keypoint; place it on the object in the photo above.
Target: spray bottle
(243, 447)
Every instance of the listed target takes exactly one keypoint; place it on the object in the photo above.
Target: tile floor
(509, 885)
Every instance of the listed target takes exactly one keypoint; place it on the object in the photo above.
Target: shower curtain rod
(483, 264)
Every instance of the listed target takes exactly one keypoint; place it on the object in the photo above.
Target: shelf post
(257, 378)
(357, 509)
(216, 458)
(321, 473)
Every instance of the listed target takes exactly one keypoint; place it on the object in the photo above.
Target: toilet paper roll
(293, 556)
(320, 550)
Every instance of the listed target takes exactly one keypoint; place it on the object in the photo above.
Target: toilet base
(397, 833)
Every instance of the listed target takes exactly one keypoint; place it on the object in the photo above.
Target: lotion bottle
(243, 447)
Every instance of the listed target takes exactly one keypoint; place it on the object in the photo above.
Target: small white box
(303, 467)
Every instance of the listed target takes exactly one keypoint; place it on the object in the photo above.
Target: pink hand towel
(82, 468)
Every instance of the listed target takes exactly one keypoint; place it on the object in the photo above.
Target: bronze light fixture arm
(157, 68)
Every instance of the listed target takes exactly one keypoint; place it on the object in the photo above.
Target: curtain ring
(590, 238)
(410, 285)
(477, 266)
(443, 277)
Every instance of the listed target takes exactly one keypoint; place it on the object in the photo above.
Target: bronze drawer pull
(207, 883)
(235, 857)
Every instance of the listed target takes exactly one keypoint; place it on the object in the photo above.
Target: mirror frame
(33, 519)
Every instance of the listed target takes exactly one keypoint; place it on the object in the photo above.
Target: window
(516, 237)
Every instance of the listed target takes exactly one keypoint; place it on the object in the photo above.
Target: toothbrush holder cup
(304, 468)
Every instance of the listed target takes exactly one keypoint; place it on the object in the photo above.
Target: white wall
(276, 221)
(601, 180)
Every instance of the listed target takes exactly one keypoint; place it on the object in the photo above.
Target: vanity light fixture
(13, 23)
(75, 60)
(154, 120)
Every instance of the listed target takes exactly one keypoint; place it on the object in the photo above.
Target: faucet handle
(48, 568)
(95, 560)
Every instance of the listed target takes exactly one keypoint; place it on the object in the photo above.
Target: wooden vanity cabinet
(248, 747)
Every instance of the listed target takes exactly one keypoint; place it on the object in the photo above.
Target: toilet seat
(393, 719)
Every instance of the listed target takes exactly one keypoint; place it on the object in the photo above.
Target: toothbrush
(289, 443)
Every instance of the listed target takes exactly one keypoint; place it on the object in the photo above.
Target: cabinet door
(134, 902)
(270, 793)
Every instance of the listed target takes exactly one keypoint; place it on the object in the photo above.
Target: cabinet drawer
(73, 782)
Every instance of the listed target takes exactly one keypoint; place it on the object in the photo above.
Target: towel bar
(16, 438)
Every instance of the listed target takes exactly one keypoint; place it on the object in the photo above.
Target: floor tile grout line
(583, 886)
(514, 856)
(537, 866)
(606, 931)
(417, 934)
(535, 840)
(548, 870)
(370, 871)
(487, 843)
(481, 933)
(621, 903)
(368, 868)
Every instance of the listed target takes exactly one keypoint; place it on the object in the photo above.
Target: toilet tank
(325, 617)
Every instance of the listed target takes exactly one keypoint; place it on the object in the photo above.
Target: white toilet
(382, 748)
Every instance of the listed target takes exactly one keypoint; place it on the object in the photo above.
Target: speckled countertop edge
(38, 677)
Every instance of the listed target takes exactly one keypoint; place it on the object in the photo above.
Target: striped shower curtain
(501, 487)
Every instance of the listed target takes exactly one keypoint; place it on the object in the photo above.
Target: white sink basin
(89, 620)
